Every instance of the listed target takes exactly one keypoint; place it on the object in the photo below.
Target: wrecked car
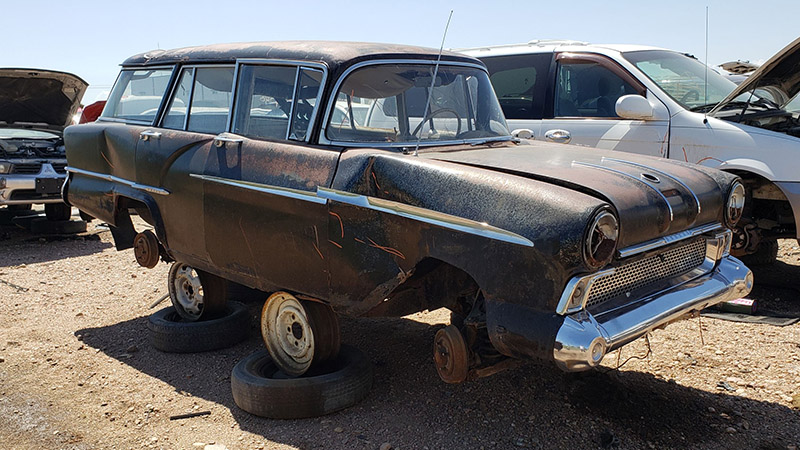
(381, 180)
(35, 107)
(664, 103)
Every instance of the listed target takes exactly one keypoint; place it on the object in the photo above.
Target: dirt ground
(77, 372)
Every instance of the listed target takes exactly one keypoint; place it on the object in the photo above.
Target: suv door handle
(560, 136)
(147, 134)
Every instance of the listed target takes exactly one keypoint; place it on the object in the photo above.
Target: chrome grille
(27, 168)
(639, 274)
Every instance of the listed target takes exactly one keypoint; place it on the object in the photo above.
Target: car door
(581, 107)
(262, 217)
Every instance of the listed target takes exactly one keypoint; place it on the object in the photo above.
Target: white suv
(649, 100)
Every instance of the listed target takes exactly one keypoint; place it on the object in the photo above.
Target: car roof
(552, 45)
(331, 53)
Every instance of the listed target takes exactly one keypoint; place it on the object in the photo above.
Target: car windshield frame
(334, 100)
(718, 85)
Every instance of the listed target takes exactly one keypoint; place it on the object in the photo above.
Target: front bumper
(21, 189)
(583, 339)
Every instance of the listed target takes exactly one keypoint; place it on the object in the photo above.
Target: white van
(665, 103)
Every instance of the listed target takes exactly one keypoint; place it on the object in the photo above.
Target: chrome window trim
(280, 62)
(323, 138)
(115, 179)
(672, 177)
(659, 242)
(161, 105)
(627, 175)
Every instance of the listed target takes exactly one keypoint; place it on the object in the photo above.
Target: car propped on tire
(232, 154)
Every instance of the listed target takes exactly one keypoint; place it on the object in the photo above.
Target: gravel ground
(77, 371)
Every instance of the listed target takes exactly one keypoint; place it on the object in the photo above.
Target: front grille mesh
(640, 274)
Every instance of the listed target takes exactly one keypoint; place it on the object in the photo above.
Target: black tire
(766, 253)
(57, 211)
(170, 333)
(260, 388)
(45, 226)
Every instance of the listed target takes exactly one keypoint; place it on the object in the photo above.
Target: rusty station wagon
(381, 180)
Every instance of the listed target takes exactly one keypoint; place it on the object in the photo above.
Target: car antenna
(433, 82)
(705, 81)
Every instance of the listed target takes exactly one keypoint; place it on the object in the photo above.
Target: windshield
(683, 77)
(387, 103)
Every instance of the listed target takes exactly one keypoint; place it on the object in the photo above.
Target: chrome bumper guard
(583, 339)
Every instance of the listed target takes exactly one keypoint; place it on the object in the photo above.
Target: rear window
(137, 95)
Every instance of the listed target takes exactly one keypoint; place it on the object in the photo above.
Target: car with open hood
(35, 107)
(381, 180)
(664, 103)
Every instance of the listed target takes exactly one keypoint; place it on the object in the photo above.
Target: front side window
(587, 89)
(137, 95)
(404, 103)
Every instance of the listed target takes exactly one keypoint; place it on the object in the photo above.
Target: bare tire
(261, 388)
(57, 211)
(196, 294)
(170, 333)
(766, 253)
(298, 333)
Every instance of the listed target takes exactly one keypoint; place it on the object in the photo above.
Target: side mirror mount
(634, 107)
(522, 133)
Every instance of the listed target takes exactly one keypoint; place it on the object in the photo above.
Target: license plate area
(49, 185)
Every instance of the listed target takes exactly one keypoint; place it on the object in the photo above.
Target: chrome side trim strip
(267, 189)
(672, 177)
(425, 215)
(627, 175)
(655, 243)
(112, 178)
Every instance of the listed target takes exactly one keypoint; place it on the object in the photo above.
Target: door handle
(560, 136)
(147, 134)
(222, 140)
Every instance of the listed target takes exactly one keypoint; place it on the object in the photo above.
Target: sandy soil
(77, 371)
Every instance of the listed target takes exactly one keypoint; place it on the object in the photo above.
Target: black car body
(423, 201)
(35, 107)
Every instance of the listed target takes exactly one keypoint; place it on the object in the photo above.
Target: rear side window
(520, 82)
(137, 95)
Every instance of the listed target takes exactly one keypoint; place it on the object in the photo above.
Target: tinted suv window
(137, 95)
(520, 83)
(587, 89)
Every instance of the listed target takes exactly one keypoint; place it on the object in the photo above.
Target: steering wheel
(690, 93)
(433, 114)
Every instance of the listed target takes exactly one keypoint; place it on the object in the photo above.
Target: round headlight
(735, 206)
(601, 239)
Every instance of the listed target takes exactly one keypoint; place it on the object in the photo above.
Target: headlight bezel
(733, 212)
(601, 239)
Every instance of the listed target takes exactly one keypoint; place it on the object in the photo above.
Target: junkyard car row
(381, 180)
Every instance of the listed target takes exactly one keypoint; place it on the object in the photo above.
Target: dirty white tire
(169, 332)
(261, 388)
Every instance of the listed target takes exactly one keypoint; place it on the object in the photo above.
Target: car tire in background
(172, 334)
(766, 253)
(57, 211)
(260, 388)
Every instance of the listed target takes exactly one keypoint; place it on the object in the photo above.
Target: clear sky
(90, 38)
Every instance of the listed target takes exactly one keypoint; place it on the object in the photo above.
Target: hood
(780, 76)
(653, 197)
(39, 98)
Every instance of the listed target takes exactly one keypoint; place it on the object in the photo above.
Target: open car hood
(780, 76)
(36, 98)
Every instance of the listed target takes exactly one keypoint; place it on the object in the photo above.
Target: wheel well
(434, 284)
(766, 205)
(123, 230)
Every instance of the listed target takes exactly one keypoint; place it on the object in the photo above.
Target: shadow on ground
(411, 408)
